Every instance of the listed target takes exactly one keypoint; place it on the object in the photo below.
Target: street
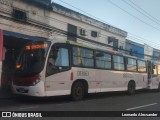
(112, 101)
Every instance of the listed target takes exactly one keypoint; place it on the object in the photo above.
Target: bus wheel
(131, 88)
(77, 92)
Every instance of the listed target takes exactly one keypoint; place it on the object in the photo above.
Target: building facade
(26, 20)
(80, 27)
(156, 55)
(134, 49)
(142, 51)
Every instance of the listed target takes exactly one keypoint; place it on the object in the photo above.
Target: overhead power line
(91, 15)
(141, 41)
(133, 15)
(144, 11)
(51, 18)
(141, 12)
(145, 40)
(65, 33)
(137, 37)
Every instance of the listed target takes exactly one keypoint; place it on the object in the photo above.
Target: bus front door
(154, 79)
(58, 71)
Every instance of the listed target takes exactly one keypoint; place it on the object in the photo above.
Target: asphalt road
(113, 101)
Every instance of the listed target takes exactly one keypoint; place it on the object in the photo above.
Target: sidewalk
(5, 94)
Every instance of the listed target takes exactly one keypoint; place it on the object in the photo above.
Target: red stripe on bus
(71, 76)
(1, 45)
(25, 81)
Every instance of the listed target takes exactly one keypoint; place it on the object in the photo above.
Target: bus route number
(82, 73)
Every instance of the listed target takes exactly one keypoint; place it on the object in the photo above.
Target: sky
(140, 18)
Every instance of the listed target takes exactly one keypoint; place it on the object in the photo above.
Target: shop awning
(18, 35)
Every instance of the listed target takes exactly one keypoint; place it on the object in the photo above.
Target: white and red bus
(49, 68)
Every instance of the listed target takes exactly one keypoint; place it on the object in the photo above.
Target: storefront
(11, 44)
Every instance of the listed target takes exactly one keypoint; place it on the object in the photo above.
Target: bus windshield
(32, 58)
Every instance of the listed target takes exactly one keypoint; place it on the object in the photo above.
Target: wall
(35, 17)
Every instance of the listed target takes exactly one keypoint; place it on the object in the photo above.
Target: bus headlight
(36, 82)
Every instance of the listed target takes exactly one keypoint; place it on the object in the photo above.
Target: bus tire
(78, 91)
(131, 88)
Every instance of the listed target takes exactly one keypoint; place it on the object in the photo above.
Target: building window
(141, 66)
(83, 57)
(118, 62)
(115, 44)
(82, 32)
(131, 64)
(121, 47)
(72, 32)
(19, 15)
(110, 40)
(103, 60)
(94, 34)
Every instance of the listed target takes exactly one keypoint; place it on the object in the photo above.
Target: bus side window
(83, 57)
(118, 62)
(62, 59)
(141, 66)
(58, 60)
